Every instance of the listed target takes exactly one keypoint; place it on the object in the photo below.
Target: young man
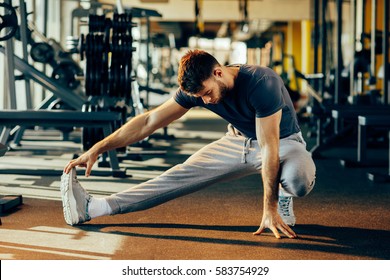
(263, 137)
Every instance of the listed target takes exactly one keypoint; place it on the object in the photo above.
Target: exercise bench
(8, 202)
(63, 118)
(351, 115)
(378, 121)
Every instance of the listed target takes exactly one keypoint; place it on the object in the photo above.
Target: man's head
(200, 75)
(195, 67)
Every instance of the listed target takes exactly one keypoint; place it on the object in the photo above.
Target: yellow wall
(307, 52)
(294, 48)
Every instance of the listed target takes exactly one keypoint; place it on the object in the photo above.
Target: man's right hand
(273, 221)
(87, 160)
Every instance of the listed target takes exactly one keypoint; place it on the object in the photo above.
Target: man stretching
(263, 137)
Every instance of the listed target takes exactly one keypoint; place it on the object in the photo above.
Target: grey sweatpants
(230, 157)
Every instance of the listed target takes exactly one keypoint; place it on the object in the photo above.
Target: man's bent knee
(298, 186)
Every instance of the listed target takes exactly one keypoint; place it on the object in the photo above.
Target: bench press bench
(380, 121)
(63, 118)
(340, 114)
(351, 114)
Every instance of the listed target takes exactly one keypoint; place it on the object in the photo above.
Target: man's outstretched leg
(218, 161)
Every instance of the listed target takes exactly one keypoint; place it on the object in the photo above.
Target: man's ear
(217, 72)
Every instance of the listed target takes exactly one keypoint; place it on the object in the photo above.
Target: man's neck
(231, 73)
(233, 70)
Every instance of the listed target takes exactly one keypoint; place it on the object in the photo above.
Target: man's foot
(74, 199)
(285, 209)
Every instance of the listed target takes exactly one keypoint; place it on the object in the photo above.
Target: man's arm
(135, 130)
(267, 133)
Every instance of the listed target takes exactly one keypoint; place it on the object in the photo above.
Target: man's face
(214, 91)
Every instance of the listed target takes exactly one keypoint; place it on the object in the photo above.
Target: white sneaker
(74, 199)
(285, 209)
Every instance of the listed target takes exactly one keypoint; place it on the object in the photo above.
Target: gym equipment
(107, 49)
(42, 52)
(8, 21)
(65, 70)
(66, 73)
(144, 44)
(112, 94)
(377, 121)
(9, 202)
(385, 47)
(3, 149)
(49, 52)
(91, 135)
(350, 115)
(102, 120)
(108, 56)
(76, 101)
(362, 64)
(109, 85)
(61, 85)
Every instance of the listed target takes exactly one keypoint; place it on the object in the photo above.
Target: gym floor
(346, 217)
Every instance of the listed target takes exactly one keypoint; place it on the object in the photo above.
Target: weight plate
(65, 73)
(8, 22)
(42, 52)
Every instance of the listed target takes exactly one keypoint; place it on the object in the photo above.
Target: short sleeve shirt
(258, 92)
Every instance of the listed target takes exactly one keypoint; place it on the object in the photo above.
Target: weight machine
(91, 119)
(8, 23)
(60, 89)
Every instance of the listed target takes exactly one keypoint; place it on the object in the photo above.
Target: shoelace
(284, 205)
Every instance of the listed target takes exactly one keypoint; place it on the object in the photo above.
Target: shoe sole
(68, 201)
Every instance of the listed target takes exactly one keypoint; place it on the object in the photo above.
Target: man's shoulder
(184, 99)
(257, 69)
(256, 75)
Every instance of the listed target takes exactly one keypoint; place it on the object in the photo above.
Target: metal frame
(385, 43)
(373, 42)
(339, 55)
(373, 121)
(23, 35)
(74, 100)
(30, 73)
(43, 118)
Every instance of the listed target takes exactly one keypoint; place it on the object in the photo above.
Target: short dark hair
(195, 67)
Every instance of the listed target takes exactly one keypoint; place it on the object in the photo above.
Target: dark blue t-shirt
(258, 92)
